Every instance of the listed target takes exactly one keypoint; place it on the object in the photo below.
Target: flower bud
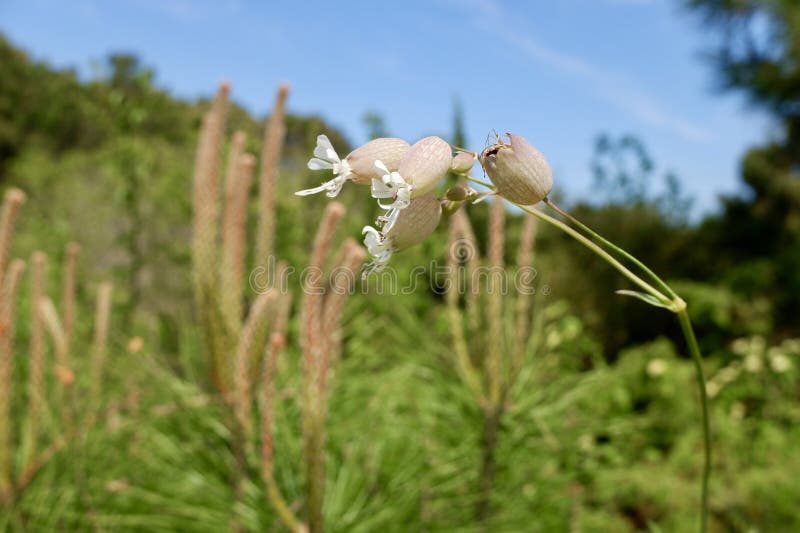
(416, 222)
(457, 194)
(362, 160)
(425, 164)
(462, 163)
(518, 170)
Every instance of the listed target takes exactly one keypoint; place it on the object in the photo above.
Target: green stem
(677, 306)
(663, 286)
(281, 507)
(465, 366)
(488, 472)
(599, 251)
(315, 473)
(694, 349)
(476, 180)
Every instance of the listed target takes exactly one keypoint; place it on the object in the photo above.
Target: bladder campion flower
(518, 170)
(401, 176)
(358, 166)
(414, 224)
(421, 169)
(390, 185)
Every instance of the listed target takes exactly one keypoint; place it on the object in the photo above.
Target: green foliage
(375, 125)
(759, 55)
(623, 175)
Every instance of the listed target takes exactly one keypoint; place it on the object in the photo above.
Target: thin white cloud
(611, 86)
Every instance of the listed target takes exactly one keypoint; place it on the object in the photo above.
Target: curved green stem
(676, 305)
(281, 507)
(663, 286)
(599, 251)
(694, 349)
(476, 180)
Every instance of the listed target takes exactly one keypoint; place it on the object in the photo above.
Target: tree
(759, 55)
(375, 125)
(459, 135)
(623, 174)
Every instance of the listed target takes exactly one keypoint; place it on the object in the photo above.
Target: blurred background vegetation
(602, 433)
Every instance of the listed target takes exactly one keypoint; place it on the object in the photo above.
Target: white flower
(728, 374)
(656, 367)
(379, 247)
(391, 185)
(325, 157)
(740, 346)
(753, 363)
(779, 362)
(414, 225)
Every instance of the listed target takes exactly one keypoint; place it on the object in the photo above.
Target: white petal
(404, 195)
(380, 190)
(373, 240)
(395, 180)
(315, 190)
(377, 264)
(342, 168)
(380, 166)
(371, 232)
(334, 187)
(319, 164)
(387, 207)
(391, 218)
(324, 149)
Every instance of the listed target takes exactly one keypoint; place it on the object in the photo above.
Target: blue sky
(557, 73)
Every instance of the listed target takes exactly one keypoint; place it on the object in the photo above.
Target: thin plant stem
(274, 349)
(479, 182)
(282, 508)
(663, 286)
(677, 306)
(599, 251)
(488, 472)
(589, 244)
(462, 356)
(494, 307)
(694, 349)
(465, 367)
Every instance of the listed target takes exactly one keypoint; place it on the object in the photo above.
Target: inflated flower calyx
(462, 163)
(413, 225)
(518, 170)
(425, 164)
(457, 194)
(422, 168)
(388, 150)
(358, 166)
(416, 222)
